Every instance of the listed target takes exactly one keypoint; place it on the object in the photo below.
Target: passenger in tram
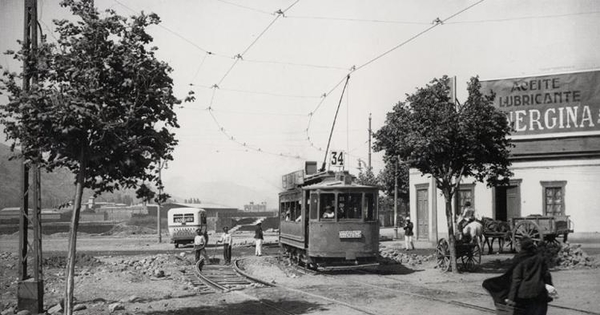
(329, 214)
(341, 211)
(287, 215)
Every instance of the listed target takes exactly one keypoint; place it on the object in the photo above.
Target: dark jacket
(529, 279)
(258, 233)
(499, 287)
(408, 228)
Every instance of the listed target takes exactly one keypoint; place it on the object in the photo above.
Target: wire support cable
(436, 22)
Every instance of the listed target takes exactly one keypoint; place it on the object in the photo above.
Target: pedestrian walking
(527, 284)
(200, 247)
(258, 237)
(226, 240)
(408, 235)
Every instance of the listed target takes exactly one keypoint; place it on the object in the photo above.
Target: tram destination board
(351, 234)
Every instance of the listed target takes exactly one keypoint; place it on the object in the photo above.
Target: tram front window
(350, 206)
(326, 203)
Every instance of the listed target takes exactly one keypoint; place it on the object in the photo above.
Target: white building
(556, 160)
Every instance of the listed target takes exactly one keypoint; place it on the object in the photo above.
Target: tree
(102, 107)
(448, 141)
(367, 177)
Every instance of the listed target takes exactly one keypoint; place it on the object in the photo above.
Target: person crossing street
(258, 237)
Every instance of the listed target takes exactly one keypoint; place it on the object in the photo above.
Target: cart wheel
(526, 229)
(471, 259)
(443, 255)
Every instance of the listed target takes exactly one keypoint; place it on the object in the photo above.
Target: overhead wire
(436, 22)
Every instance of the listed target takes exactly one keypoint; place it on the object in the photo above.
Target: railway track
(222, 278)
(466, 305)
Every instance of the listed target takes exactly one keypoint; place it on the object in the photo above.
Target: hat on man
(527, 243)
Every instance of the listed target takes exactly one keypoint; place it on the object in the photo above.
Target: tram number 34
(337, 158)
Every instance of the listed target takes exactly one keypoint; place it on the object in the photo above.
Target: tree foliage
(101, 106)
(100, 96)
(450, 142)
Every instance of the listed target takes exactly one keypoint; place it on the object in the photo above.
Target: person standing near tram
(226, 240)
(258, 238)
(200, 247)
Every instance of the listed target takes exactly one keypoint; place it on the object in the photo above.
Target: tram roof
(337, 184)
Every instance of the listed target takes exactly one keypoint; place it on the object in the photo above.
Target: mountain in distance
(221, 193)
(58, 187)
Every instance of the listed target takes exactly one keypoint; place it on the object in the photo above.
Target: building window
(554, 197)
(466, 192)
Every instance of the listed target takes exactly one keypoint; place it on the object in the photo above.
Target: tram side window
(370, 207)
(326, 206)
(349, 206)
(314, 211)
(284, 211)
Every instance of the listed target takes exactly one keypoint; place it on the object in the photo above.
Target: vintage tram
(327, 220)
(183, 223)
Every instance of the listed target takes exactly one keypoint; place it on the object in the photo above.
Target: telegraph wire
(525, 18)
(257, 92)
(200, 66)
(436, 22)
(355, 20)
(295, 64)
(245, 7)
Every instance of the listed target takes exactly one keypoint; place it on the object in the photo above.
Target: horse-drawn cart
(468, 254)
(536, 227)
(540, 228)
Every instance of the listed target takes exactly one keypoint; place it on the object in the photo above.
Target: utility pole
(370, 133)
(161, 164)
(396, 201)
(30, 291)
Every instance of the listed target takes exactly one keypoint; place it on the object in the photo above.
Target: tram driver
(329, 214)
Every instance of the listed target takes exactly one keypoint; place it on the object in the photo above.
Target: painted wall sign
(550, 105)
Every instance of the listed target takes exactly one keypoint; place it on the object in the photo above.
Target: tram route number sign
(351, 234)
(337, 158)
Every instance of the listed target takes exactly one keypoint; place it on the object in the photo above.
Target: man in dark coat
(523, 285)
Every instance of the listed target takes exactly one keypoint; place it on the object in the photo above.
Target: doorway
(507, 202)
(422, 212)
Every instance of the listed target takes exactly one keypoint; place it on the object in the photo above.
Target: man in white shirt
(200, 247)
(226, 240)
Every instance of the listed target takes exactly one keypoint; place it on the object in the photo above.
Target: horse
(496, 230)
(473, 232)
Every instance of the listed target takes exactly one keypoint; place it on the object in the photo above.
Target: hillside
(224, 193)
(58, 188)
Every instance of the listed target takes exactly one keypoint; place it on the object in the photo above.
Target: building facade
(555, 161)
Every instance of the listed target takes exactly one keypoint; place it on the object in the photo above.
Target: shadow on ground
(266, 307)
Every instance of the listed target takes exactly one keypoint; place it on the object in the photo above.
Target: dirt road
(155, 279)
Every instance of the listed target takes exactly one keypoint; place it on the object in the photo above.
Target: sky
(275, 103)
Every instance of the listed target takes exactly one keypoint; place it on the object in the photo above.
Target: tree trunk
(451, 238)
(70, 274)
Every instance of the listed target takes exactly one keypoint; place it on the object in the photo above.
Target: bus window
(326, 202)
(349, 206)
(202, 218)
(370, 207)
